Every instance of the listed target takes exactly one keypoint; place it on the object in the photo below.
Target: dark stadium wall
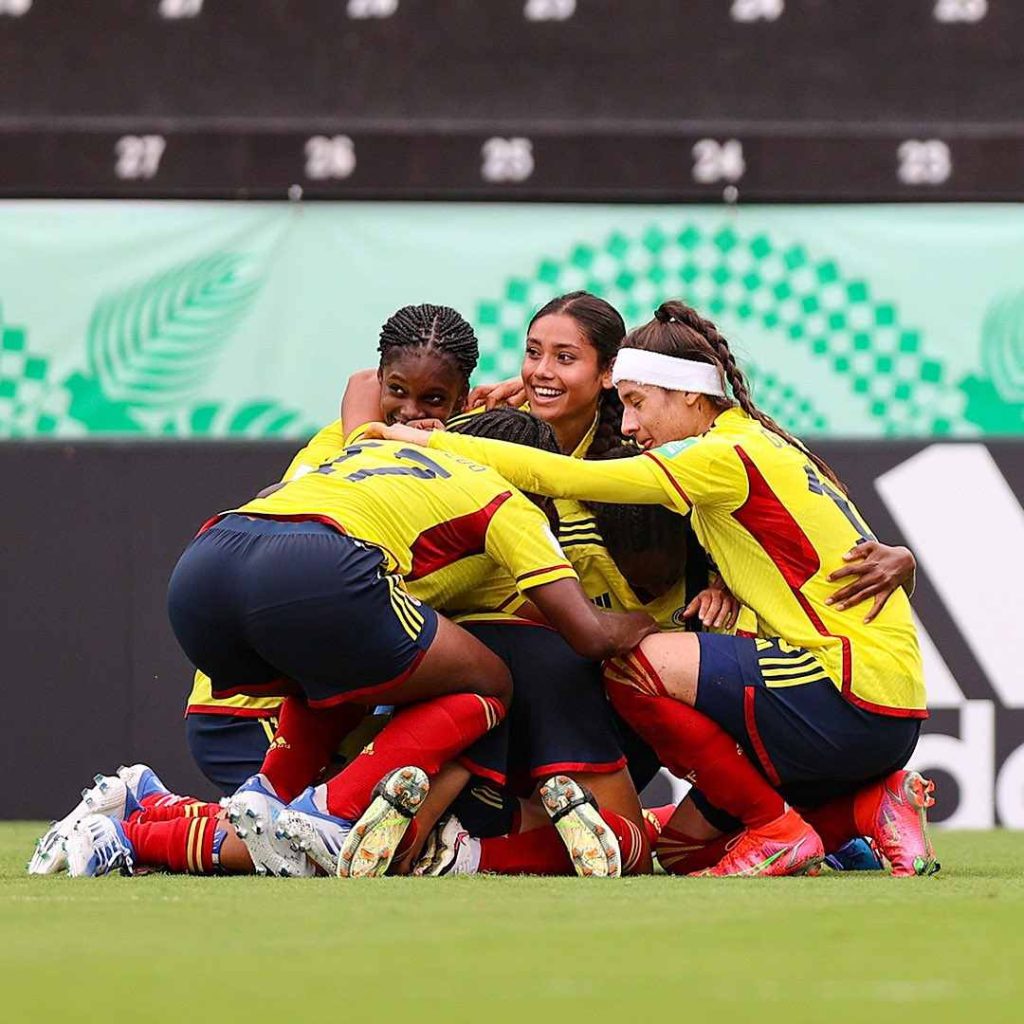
(93, 676)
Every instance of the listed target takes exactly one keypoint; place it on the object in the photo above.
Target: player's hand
(628, 630)
(714, 606)
(493, 396)
(878, 571)
(427, 424)
(397, 432)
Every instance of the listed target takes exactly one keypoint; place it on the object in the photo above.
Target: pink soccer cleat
(900, 823)
(785, 846)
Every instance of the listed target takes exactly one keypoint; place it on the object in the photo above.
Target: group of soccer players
(421, 650)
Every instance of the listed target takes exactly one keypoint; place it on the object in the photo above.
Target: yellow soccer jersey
(424, 512)
(774, 528)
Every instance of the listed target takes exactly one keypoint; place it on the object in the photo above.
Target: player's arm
(591, 632)
(878, 571)
(361, 401)
(520, 540)
(620, 480)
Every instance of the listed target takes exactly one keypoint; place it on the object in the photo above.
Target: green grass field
(835, 948)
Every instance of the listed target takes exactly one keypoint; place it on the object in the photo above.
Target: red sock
(178, 807)
(692, 746)
(426, 735)
(537, 852)
(846, 817)
(679, 854)
(182, 845)
(633, 844)
(304, 743)
(542, 852)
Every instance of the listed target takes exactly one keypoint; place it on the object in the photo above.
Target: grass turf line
(487, 949)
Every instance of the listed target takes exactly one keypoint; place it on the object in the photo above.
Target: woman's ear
(606, 377)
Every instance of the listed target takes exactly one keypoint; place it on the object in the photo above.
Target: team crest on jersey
(673, 448)
(677, 617)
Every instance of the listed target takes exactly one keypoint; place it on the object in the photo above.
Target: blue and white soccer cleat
(856, 855)
(98, 846)
(253, 811)
(370, 846)
(116, 796)
(313, 831)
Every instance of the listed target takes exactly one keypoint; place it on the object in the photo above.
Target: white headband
(670, 372)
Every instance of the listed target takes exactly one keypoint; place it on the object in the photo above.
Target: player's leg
(654, 688)
(811, 743)
(441, 711)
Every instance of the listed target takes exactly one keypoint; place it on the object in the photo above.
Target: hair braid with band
(438, 328)
(679, 330)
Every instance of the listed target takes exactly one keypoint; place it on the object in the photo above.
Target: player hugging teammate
(339, 589)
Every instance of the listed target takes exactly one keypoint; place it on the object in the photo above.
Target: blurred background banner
(193, 320)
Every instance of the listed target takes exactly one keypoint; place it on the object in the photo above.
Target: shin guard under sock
(694, 747)
(182, 845)
(425, 735)
(305, 742)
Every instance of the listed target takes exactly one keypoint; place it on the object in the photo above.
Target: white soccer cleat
(107, 796)
(98, 846)
(450, 850)
(591, 843)
(370, 847)
(312, 832)
(254, 815)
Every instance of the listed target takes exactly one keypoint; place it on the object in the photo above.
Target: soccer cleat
(856, 855)
(97, 846)
(108, 795)
(142, 782)
(591, 843)
(312, 832)
(253, 812)
(901, 824)
(785, 846)
(370, 847)
(449, 850)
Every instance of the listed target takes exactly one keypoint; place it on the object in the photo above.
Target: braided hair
(511, 425)
(679, 330)
(438, 328)
(516, 427)
(636, 529)
(602, 325)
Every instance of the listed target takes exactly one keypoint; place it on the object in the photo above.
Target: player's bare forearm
(591, 632)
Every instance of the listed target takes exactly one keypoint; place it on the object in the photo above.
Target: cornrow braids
(439, 328)
(679, 330)
(516, 427)
(511, 425)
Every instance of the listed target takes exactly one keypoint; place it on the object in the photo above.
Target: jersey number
(818, 486)
(425, 469)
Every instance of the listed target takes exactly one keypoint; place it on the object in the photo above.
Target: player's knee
(495, 680)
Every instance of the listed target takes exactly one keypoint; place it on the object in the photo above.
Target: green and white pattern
(216, 320)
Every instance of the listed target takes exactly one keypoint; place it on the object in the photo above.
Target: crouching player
(302, 592)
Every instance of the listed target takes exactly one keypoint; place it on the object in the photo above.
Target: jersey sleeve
(317, 451)
(634, 481)
(520, 539)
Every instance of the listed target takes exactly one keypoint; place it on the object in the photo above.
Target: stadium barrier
(93, 676)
